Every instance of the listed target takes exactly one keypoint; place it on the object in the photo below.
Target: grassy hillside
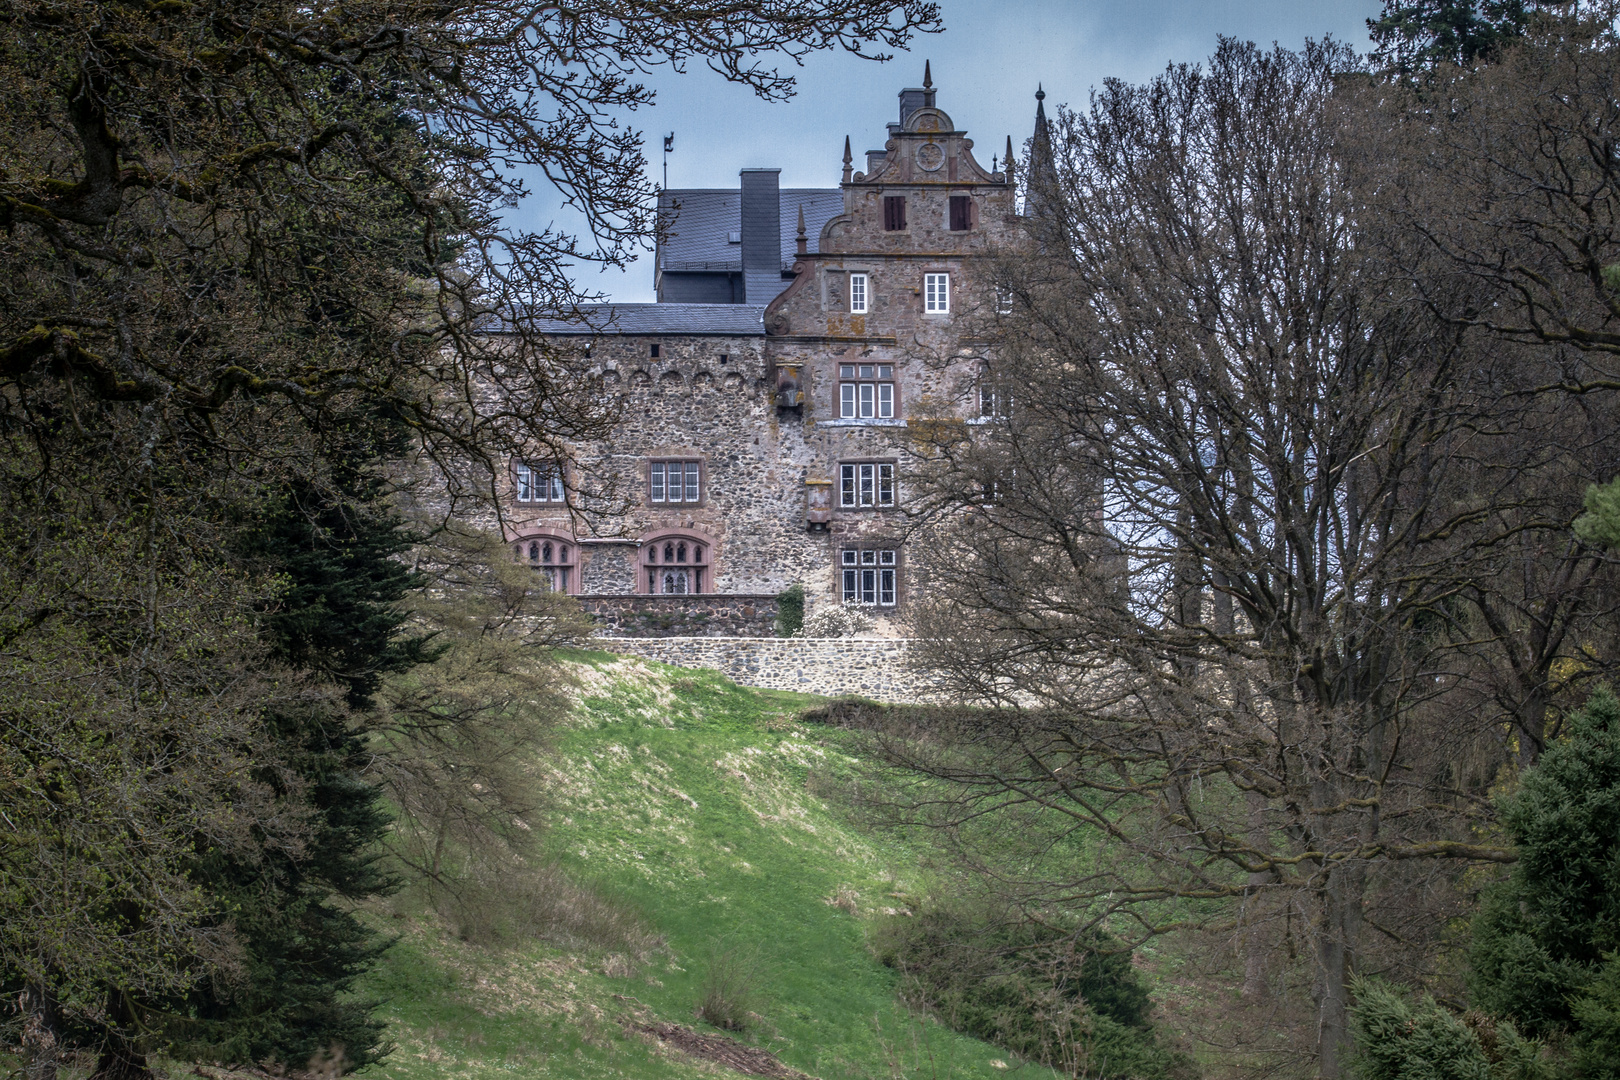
(691, 801)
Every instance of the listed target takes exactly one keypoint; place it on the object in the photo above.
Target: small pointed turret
(1041, 185)
(1007, 162)
(803, 241)
(847, 159)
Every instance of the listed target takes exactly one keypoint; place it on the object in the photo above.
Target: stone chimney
(761, 235)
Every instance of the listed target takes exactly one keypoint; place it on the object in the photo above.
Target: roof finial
(928, 76)
(847, 159)
(802, 241)
(1040, 94)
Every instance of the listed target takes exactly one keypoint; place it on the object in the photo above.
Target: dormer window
(858, 294)
(894, 213)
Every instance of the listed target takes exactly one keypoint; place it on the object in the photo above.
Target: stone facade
(876, 668)
(714, 615)
(757, 404)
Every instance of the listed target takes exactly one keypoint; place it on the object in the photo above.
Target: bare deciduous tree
(1231, 556)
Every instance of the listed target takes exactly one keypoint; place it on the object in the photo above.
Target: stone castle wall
(876, 668)
(736, 615)
(758, 406)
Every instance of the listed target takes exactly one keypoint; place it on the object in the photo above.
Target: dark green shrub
(1597, 1023)
(1397, 1038)
(1066, 998)
(789, 611)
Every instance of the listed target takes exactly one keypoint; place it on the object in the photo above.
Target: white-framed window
(869, 575)
(866, 484)
(674, 481)
(857, 294)
(995, 396)
(936, 293)
(866, 391)
(538, 482)
(1004, 301)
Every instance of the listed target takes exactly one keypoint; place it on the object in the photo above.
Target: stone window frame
(865, 569)
(893, 208)
(866, 292)
(553, 477)
(851, 483)
(971, 207)
(561, 571)
(936, 292)
(876, 381)
(995, 395)
(667, 552)
(664, 461)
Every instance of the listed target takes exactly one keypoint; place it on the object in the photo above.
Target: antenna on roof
(669, 148)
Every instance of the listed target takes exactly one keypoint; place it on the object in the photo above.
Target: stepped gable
(766, 407)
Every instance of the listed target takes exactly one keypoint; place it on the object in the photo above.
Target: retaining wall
(877, 668)
(700, 615)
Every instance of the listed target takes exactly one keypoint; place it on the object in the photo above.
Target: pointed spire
(928, 75)
(1041, 185)
(1007, 162)
(803, 241)
(847, 159)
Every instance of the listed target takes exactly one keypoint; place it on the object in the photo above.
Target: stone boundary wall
(876, 668)
(697, 615)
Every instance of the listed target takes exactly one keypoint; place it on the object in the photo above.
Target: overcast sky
(986, 65)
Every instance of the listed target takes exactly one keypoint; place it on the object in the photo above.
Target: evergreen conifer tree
(1541, 936)
(339, 617)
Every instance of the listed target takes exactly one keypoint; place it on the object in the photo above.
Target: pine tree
(1541, 936)
(337, 546)
(1415, 35)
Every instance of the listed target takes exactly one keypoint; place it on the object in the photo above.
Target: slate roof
(719, 320)
(703, 218)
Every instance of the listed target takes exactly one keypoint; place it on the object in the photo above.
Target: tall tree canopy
(1268, 567)
(252, 244)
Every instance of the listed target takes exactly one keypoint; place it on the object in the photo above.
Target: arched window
(553, 561)
(675, 565)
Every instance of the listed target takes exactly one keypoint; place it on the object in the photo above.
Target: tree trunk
(120, 1059)
(41, 1041)
(1337, 929)
(1254, 945)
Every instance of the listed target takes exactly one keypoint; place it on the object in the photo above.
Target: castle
(767, 393)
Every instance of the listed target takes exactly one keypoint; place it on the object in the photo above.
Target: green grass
(691, 800)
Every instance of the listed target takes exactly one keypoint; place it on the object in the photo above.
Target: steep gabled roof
(699, 222)
(719, 320)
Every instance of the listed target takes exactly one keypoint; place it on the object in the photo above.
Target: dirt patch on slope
(722, 1051)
